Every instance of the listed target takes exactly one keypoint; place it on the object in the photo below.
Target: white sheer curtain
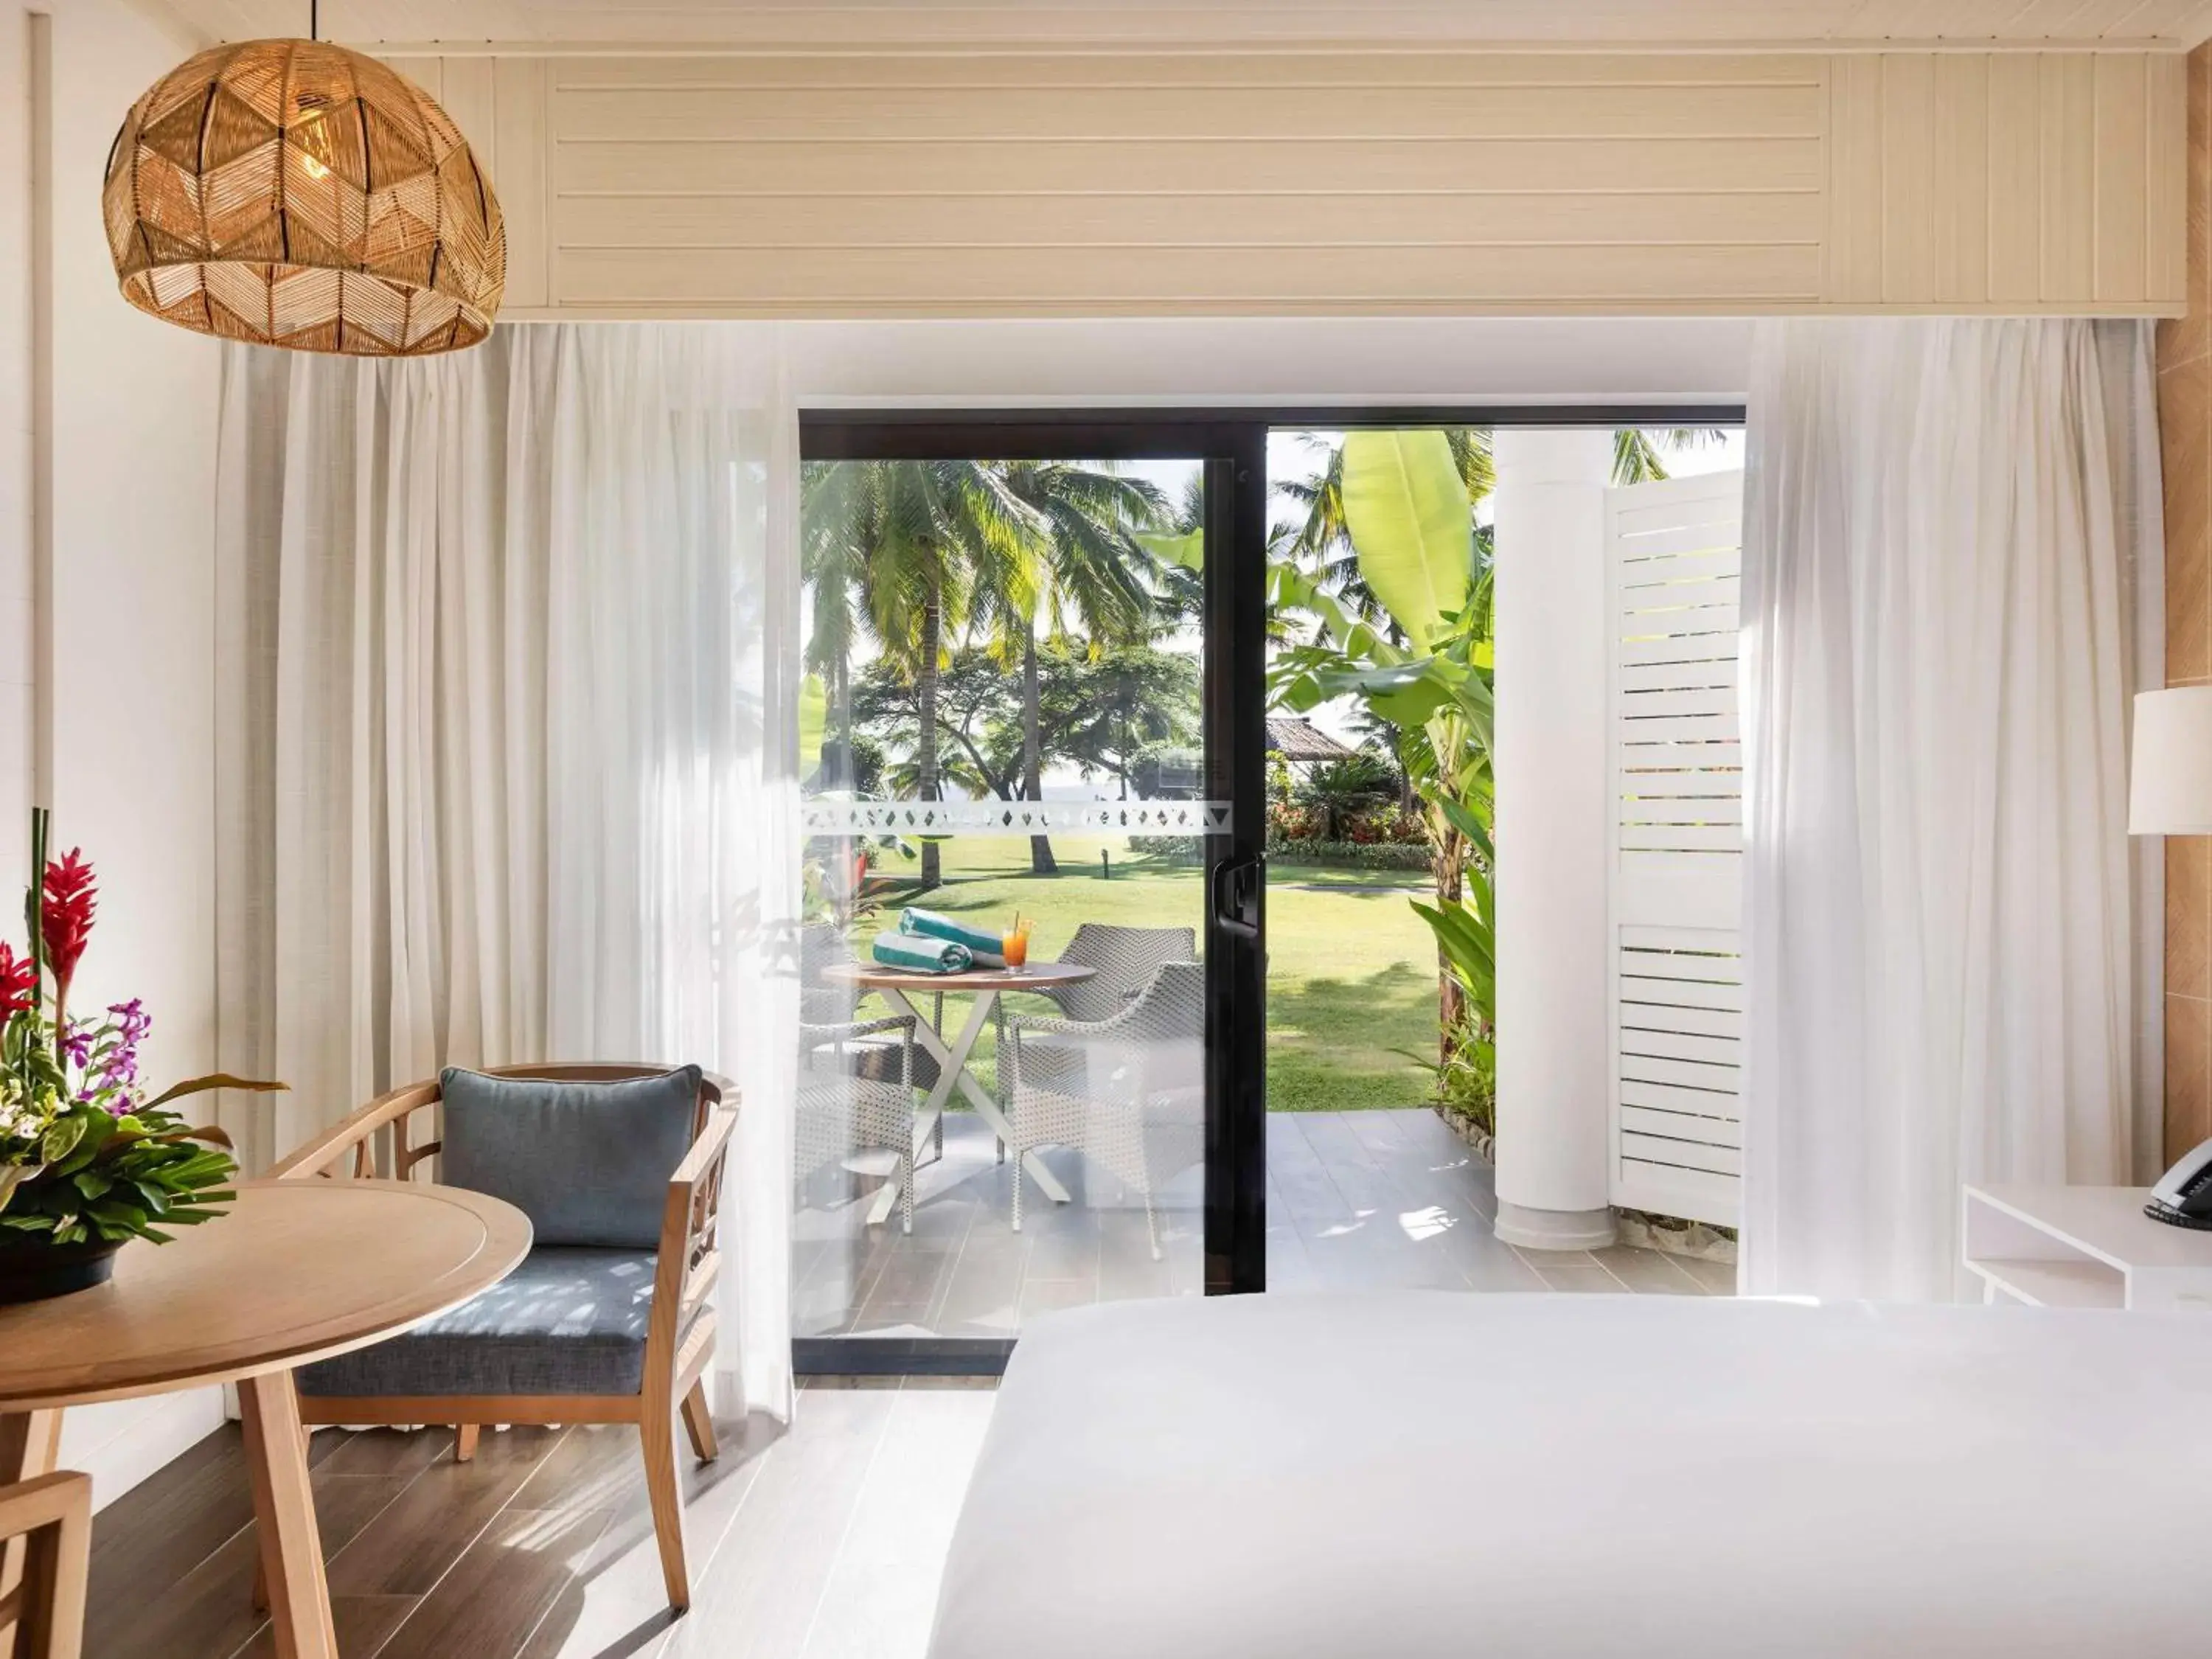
(1941, 519)
(508, 754)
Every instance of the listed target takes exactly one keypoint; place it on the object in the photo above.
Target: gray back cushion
(588, 1162)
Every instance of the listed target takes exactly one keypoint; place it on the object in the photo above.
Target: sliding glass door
(1031, 1053)
(1072, 676)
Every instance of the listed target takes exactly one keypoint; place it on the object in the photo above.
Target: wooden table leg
(284, 1507)
(30, 1445)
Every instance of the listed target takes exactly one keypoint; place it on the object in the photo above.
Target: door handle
(1237, 884)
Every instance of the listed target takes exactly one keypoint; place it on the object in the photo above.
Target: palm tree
(833, 546)
(1635, 458)
(1093, 570)
(908, 545)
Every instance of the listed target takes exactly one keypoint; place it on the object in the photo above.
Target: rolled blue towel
(984, 948)
(915, 953)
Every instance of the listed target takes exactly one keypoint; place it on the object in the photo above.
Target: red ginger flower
(19, 982)
(65, 915)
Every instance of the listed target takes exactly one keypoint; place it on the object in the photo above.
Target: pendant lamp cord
(314, 19)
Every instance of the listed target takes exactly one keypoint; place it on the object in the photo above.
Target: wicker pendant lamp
(296, 194)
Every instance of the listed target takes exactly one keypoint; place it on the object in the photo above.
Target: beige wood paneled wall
(2184, 415)
(1350, 182)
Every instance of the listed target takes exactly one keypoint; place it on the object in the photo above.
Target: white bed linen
(1556, 1477)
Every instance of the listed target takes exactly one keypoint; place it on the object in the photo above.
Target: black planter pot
(33, 1272)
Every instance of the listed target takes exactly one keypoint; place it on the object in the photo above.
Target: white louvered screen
(1673, 553)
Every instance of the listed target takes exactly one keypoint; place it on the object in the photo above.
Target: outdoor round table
(985, 985)
(296, 1272)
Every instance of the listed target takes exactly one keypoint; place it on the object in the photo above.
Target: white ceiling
(847, 23)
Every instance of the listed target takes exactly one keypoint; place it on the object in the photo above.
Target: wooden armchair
(52, 1516)
(574, 1334)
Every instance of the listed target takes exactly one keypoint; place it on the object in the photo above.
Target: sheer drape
(1941, 519)
(508, 738)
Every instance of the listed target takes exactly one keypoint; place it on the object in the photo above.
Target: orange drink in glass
(1014, 945)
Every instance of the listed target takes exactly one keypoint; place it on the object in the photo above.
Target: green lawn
(1351, 986)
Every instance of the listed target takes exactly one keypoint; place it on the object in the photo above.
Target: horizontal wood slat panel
(1674, 993)
(1320, 115)
(1644, 599)
(1680, 1045)
(1132, 165)
(1666, 1097)
(1682, 1126)
(1682, 838)
(1677, 828)
(1713, 645)
(1697, 674)
(1720, 1080)
(738, 72)
(1637, 705)
(1695, 728)
(1018, 278)
(1345, 219)
(1036, 182)
(524, 157)
(1652, 547)
(1638, 1016)
(1685, 1154)
(1657, 817)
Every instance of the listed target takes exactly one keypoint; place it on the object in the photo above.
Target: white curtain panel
(1941, 519)
(508, 750)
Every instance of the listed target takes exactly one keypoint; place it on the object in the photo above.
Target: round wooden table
(298, 1271)
(985, 985)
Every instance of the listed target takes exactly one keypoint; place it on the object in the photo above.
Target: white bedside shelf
(2083, 1247)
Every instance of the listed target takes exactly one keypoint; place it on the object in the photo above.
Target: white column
(1553, 849)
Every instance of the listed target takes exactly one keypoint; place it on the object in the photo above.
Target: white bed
(1556, 1477)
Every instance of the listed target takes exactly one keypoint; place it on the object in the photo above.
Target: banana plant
(1408, 512)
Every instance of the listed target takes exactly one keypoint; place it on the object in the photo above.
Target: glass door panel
(1010, 817)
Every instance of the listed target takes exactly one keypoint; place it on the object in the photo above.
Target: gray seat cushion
(566, 1321)
(588, 1162)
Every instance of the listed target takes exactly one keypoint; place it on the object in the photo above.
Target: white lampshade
(2169, 788)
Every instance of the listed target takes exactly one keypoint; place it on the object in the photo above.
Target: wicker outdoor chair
(1125, 960)
(1128, 1091)
(882, 1049)
(845, 1112)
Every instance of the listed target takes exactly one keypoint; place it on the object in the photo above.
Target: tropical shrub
(1424, 671)
(86, 1155)
(1350, 854)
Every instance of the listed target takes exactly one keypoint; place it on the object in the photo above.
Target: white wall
(1275, 361)
(130, 709)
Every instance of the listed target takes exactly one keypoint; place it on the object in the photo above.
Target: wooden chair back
(45, 1543)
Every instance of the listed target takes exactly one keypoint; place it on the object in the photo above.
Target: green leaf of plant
(1406, 507)
(62, 1137)
(214, 1080)
(1186, 551)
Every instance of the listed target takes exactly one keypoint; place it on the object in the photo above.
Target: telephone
(2183, 1197)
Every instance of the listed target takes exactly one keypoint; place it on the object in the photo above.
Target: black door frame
(1231, 444)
